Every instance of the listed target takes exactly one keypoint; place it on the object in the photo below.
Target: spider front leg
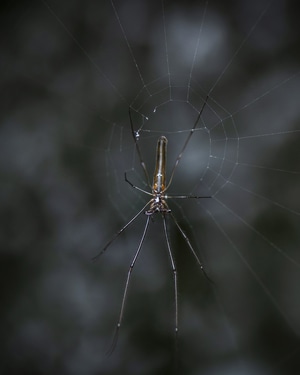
(174, 270)
(116, 335)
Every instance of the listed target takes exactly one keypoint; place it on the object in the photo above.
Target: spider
(157, 204)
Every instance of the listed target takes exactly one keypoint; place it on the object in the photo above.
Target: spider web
(241, 155)
(79, 68)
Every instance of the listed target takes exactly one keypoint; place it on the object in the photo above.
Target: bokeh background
(68, 76)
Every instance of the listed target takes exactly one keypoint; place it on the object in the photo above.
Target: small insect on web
(157, 204)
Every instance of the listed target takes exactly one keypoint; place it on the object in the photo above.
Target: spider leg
(116, 335)
(191, 248)
(138, 149)
(120, 231)
(187, 196)
(136, 187)
(187, 141)
(174, 276)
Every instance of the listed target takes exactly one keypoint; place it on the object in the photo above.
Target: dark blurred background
(68, 76)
